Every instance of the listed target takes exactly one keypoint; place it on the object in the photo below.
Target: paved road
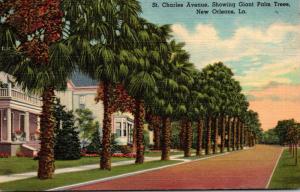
(248, 169)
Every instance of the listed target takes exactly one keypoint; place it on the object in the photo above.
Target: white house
(19, 118)
(81, 92)
(20, 111)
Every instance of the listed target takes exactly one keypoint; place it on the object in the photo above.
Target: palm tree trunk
(234, 134)
(216, 131)
(242, 135)
(46, 154)
(134, 140)
(182, 134)
(229, 143)
(139, 116)
(238, 135)
(105, 162)
(166, 139)
(156, 139)
(200, 125)
(223, 133)
(188, 139)
(208, 136)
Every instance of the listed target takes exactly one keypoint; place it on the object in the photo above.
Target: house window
(118, 129)
(124, 129)
(22, 122)
(82, 100)
(130, 132)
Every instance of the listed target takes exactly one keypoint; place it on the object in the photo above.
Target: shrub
(21, 154)
(115, 148)
(125, 149)
(67, 144)
(95, 145)
(4, 155)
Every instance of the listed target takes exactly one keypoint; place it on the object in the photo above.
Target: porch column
(38, 123)
(26, 126)
(8, 125)
(121, 135)
(9, 88)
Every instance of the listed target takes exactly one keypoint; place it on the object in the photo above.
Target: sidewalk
(19, 176)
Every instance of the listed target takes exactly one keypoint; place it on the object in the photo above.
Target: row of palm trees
(110, 42)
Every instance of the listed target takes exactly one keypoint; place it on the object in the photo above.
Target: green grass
(34, 184)
(15, 165)
(286, 175)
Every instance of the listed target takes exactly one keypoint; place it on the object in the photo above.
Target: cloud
(257, 55)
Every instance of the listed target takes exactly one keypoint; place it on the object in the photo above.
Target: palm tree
(155, 122)
(182, 71)
(151, 53)
(106, 57)
(199, 110)
(41, 64)
(211, 91)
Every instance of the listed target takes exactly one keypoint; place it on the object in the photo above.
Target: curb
(68, 187)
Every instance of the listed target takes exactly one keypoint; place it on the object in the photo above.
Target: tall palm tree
(151, 54)
(33, 51)
(183, 74)
(211, 91)
(107, 43)
(199, 110)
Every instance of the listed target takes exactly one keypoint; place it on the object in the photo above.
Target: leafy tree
(281, 130)
(86, 124)
(95, 145)
(67, 144)
(270, 137)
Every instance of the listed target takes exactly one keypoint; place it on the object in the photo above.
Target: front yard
(15, 165)
(286, 175)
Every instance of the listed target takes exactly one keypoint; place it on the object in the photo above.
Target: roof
(81, 80)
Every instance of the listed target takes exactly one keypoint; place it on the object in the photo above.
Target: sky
(262, 47)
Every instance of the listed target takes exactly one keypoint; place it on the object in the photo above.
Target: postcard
(156, 95)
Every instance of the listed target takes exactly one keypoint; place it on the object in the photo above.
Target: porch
(19, 119)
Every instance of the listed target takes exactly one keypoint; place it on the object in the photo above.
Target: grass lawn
(14, 165)
(34, 184)
(286, 175)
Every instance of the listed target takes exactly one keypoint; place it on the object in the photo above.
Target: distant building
(80, 94)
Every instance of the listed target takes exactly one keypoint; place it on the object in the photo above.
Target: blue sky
(262, 48)
(259, 21)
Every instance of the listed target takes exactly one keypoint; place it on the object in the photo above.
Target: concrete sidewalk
(19, 176)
